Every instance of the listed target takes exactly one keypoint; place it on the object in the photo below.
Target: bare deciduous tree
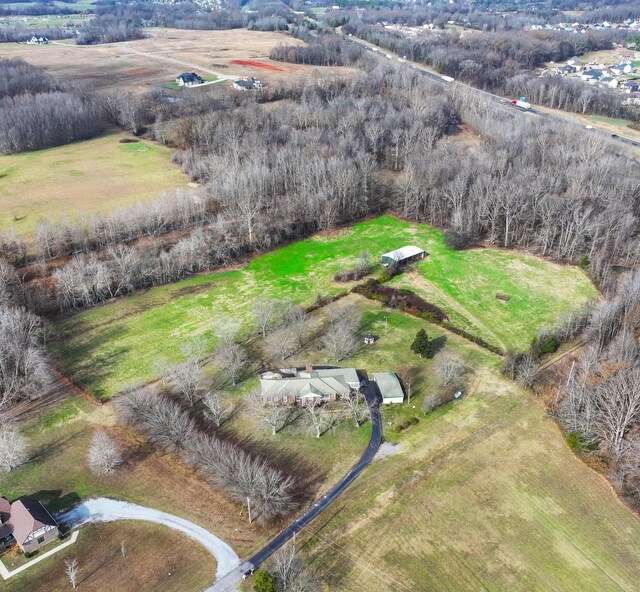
(291, 572)
(71, 569)
(13, 448)
(448, 367)
(214, 408)
(265, 309)
(232, 358)
(431, 402)
(270, 411)
(186, 380)
(282, 343)
(355, 405)
(104, 456)
(315, 417)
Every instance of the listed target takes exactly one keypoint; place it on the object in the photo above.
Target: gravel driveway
(107, 510)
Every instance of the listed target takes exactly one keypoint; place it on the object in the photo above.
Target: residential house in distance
(309, 386)
(27, 523)
(390, 387)
(189, 79)
(403, 255)
(592, 75)
(248, 83)
(35, 40)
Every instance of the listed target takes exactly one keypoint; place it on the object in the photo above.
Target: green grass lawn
(484, 494)
(95, 175)
(613, 120)
(115, 346)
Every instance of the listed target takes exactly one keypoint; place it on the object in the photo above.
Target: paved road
(230, 581)
(383, 53)
(108, 510)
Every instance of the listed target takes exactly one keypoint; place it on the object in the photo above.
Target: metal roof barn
(402, 255)
(389, 386)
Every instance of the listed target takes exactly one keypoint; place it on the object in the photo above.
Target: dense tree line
(20, 35)
(599, 402)
(327, 52)
(240, 474)
(37, 112)
(24, 372)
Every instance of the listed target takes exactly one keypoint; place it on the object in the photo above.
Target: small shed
(389, 386)
(369, 339)
(403, 255)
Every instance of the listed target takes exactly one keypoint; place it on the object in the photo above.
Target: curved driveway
(107, 510)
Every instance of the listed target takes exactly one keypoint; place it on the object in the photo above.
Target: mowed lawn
(483, 495)
(157, 559)
(96, 175)
(114, 346)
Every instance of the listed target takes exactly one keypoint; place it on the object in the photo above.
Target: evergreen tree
(422, 345)
(264, 582)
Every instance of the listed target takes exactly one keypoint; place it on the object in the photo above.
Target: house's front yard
(156, 558)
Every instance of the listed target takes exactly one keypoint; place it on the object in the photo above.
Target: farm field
(157, 559)
(465, 284)
(115, 346)
(85, 177)
(483, 494)
(35, 22)
(165, 53)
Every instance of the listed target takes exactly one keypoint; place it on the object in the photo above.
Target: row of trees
(599, 404)
(241, 474)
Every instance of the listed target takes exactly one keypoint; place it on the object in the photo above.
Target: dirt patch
(255, 64)
(186, 291)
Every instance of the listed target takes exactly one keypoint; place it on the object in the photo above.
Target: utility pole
(249, 508)
(409, 401)
(386, 324)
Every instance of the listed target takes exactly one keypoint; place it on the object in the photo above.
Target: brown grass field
(86, 177)
(165, 53)
(484, 494)
(157, 559)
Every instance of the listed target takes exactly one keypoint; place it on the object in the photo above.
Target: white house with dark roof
(189, 79)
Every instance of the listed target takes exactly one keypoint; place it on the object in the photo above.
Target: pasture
(483, 494)
(164, 54)
(96, 175)
(116, 345)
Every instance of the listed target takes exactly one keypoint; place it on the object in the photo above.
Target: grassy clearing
(157, 559)
(484, 495)
(111, 347)
(611, 120)
(96, 175)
